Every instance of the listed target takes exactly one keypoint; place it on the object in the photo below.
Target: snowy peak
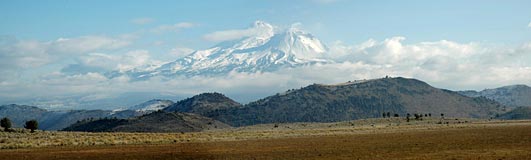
(151, 105)
(263, 48)
(264, 30)
(301, 44)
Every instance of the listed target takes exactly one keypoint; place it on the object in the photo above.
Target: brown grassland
(363, 139)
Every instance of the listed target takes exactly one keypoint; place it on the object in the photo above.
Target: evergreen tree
(6, 123)
(32, 125)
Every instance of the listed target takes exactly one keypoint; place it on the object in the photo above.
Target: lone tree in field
(32, 125)
(6, 123)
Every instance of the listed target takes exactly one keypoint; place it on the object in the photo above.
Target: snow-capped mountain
(151, 105)
(264, 51)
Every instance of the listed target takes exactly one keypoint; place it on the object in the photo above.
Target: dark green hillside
(357, 100)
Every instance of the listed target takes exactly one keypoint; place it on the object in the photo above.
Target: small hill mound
(159, 121)
(205, 104)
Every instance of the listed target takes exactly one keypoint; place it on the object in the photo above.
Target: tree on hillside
(417, 116)
(32, 125)
(388, 114)
(6, 123)
(383, 114)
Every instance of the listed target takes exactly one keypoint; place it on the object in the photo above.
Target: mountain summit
(262, 51)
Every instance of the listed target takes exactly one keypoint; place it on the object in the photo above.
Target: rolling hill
(205, 104)
(358, 100)
(159, 121)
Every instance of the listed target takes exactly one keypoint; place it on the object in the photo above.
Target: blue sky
(67, 45)
(331, 20)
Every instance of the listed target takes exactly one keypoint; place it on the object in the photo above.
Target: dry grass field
(362, 139)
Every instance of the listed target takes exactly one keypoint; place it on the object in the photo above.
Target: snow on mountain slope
(151, 105)
(264, 51)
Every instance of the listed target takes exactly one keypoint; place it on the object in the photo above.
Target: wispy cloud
(180, 51)
(102, 63)
(142, 21)
(173, 28)
(31, 53)
(258, 28)
(529, 25)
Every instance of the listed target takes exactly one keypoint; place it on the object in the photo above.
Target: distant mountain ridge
(517, 113)
(513, 96)
(56, 120)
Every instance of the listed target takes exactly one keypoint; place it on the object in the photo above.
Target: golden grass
(14, 140)
(384, 140)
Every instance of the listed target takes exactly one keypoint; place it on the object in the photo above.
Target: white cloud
(259, 28)
(142, 21)
(178, 52)
(229, 34)
(173, 28)
(529, 25)
(86, 44)
(444, 63)
(16, 53)
(101, 63)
